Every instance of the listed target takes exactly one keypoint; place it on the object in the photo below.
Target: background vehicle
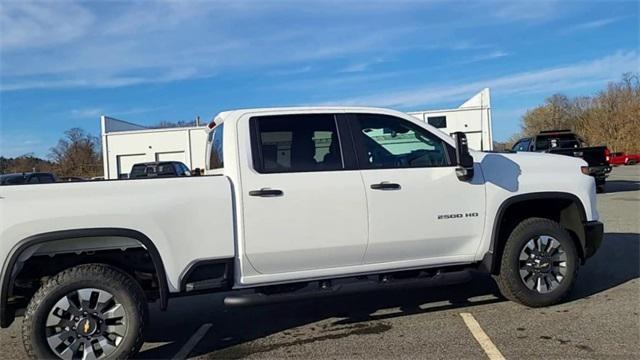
(71, 179)
(297, 203)
(159, 169)
(564, 142)
(27, 178)
(620, 158)
(633, 159)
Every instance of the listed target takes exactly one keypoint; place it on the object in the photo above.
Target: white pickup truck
(297, 202)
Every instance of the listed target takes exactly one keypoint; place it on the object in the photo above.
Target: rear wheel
(539, 264)
(87, 312)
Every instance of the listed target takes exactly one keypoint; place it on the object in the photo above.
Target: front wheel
(539, 263)
(89, 311)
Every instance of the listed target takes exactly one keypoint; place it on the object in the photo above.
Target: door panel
(306, 210)
(416, 222)
(418, 209)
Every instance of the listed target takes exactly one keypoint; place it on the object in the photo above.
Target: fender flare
(489, 261)
(7, 271)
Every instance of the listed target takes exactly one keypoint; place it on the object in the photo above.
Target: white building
(473, 118)
(125, 144)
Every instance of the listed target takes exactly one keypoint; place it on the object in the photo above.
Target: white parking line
(186, 349)
(481, 337)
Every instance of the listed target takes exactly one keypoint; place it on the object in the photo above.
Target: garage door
(171, 156)
(126, 162)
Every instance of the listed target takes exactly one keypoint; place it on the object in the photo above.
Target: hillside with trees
(611, 117)
(24, 163)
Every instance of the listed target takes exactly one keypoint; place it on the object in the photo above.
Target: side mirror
(464, 160)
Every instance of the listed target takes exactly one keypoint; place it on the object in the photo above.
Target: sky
(63, 64)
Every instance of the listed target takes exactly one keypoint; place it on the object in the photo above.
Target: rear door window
(13, 180)
(565, 141)
(45, 178)
(296, 143)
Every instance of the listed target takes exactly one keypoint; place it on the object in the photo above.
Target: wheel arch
(9, 272)
(569, 211)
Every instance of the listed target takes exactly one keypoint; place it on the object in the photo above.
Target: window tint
(138, 171)
(522, 145)
(387, 142)
(185, 170)
(216, 158)
(166, 169)
(437, 121)
(567, 141)
(295, 143)
(13, 179)
(33, 180)
(46, 178)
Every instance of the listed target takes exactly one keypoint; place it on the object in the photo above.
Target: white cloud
(95, 112)
(25, 24)
(18, 143)
(496, 54)
(86, 112)
(114, 44)
(517, 10)
(590, 25)
(361, 66)
(549, 81)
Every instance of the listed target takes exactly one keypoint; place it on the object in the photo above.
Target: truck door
(304, 203)
(418, 209)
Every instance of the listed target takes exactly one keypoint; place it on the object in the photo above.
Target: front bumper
(593, 234)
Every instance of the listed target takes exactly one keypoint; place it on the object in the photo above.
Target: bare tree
(77, 154)
(611, 117)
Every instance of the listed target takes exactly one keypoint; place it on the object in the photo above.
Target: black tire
(600, 189)
(125, 290)
(512, 286)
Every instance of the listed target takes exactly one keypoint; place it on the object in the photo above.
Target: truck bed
(175, 212)
(594, 156)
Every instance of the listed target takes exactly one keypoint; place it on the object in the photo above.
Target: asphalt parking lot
(600, 320)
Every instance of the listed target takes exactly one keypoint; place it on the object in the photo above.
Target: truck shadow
(616, 262)
(237, 326)
(614, 186)
(500, 171)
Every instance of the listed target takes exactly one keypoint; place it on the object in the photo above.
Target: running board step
(325, 289)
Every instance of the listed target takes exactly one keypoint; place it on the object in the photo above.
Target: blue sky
(63, 64)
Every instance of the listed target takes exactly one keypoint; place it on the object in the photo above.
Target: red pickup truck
(620, 158)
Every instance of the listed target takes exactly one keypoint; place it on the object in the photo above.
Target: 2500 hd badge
(457, 216)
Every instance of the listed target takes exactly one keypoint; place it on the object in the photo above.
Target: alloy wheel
(543, 264)
(86, 324)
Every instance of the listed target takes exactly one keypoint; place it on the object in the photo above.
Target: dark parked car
(159, 169)
(27, 178)
(565, 142)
